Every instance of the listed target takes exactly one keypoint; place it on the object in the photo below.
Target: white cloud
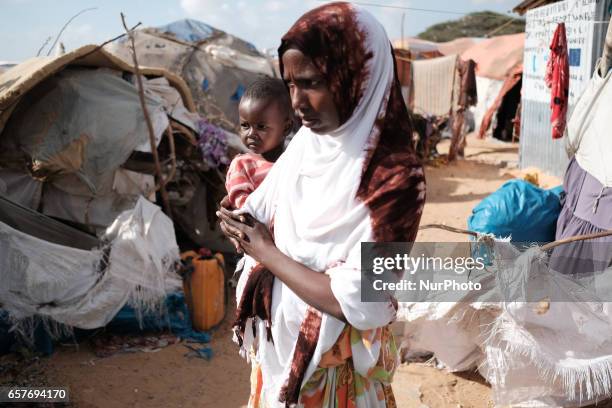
(274, 5)
(198, 6)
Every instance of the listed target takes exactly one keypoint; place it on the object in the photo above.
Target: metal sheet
(586, 33)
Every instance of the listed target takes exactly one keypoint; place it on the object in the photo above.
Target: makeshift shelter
(423, 49)
(505, 110)
(217, 66)
(79, 237)
(440, 90)
(498, 80)
(412, 48)
(5, 66)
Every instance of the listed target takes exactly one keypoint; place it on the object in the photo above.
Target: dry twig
(109, 41)
(448, 228)
(43, 46)
(66, 25)
(162, 184)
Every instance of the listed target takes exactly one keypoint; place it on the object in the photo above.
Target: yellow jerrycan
(204, 287)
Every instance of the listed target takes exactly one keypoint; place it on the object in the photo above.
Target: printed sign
(579, 17)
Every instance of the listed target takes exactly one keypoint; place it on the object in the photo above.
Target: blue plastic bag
(520, 210)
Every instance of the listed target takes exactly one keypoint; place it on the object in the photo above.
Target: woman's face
(310, 95)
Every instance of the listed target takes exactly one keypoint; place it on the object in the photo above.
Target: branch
(43, 46)
(545, 247)
(576, 238)
(448, 228)
(109, 41)
(66, 25)
(162, 185)
(172, 156)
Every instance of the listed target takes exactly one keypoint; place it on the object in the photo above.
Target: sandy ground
(168, 378)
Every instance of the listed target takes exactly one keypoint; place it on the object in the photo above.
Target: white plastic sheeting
(161, 90)
(86, 288)
(487, 90)
(217, 66)
(556, 355)
(85, 122)
(20, 188)
(233, 58)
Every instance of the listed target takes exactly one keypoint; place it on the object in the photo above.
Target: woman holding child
(348, 176)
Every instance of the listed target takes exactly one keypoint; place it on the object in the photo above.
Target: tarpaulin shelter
(498, 72)
(217, 66)
(423, 49)
(79, 236)
(505, 109)
(412, 48)
(5, 65)
(68, 125)
(442, 88)
(92, 100)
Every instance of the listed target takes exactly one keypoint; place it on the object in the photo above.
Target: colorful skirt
(336, 383)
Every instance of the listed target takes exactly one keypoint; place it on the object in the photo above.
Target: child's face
(263, 126)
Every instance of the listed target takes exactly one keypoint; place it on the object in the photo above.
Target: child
(266, 119)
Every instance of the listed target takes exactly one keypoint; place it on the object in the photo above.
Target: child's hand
(253, 237)
(225, 204)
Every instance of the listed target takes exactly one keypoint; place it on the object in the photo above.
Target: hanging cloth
(557, 79)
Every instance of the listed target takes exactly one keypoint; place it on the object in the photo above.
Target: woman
(348, 176)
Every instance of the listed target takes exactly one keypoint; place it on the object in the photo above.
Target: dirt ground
(167, 378)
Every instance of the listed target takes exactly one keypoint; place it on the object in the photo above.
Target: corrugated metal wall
(537, 148)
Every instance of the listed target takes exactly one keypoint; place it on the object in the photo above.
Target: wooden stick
(448, 228)
(172, 156)
(109, 41)
(162, 188)
(545, 247)
(185, 132)
(576, 238)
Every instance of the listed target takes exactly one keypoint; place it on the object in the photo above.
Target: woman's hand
(252, 236)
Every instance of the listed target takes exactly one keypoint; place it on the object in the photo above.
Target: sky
(25, 25)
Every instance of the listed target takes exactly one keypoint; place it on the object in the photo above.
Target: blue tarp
(177, 320)
(520, 210)
(188, 30)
